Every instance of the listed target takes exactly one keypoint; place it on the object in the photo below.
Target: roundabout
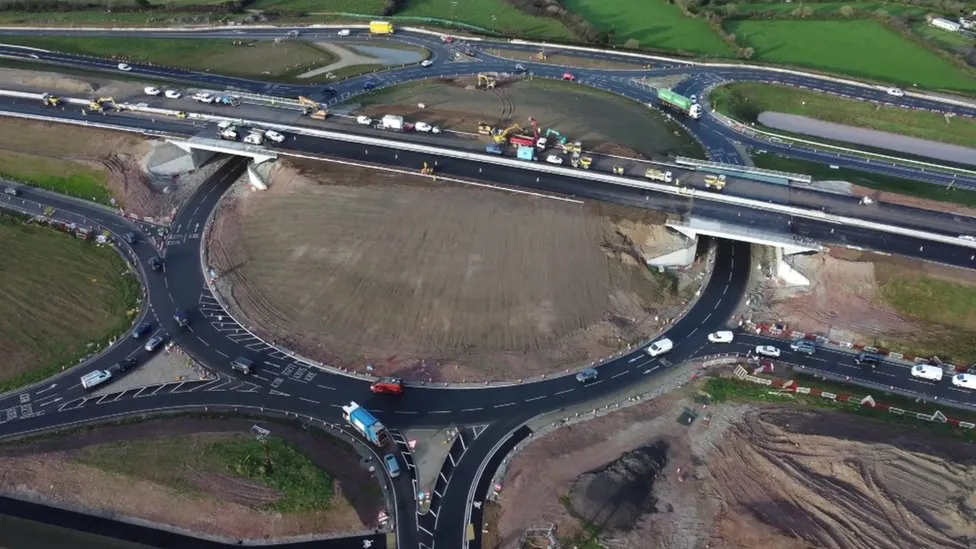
(312, 393)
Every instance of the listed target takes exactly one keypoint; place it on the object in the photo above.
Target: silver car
(153, 344)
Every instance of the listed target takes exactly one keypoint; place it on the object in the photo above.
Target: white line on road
(504, 405)
(222, 354)
(326, 387)
(309, 400)
(51, 401)
(203, 341)
(564, 392)
(439, 412)
(594, 383)
(535, 398)
(405, 412)
(625, 372)
(651, 370)
(472, 409)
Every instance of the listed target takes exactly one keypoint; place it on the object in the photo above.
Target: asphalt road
(283, 385)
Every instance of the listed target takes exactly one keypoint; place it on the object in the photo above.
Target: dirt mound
(612, 498)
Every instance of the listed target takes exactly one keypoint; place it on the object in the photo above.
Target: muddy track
(507, 106)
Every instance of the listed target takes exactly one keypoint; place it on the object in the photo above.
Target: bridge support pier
(258, 174)
(198, 157)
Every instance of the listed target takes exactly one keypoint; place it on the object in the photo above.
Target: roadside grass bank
(733, 390)
(60, 300)
(870, 180)
(861, 48)
(494, 15)
(252, 59)
(179, 461)
(946, 308)
(54, 174)
(746, 101)
(824, 9)
(651, 25)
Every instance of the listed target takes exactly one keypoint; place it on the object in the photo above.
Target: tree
(847, 11)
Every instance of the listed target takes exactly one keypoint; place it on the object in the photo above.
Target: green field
(653, 24)
(479, 13)
(745, 102)
(174, 461)
(262, 59)
(867, 179)
(57, 295)
(821, 9)
(365, 7)
(54, 174)
(860, 48)
(950, 41)
(947, 309)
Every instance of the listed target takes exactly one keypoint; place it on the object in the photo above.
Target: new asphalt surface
(283, 385)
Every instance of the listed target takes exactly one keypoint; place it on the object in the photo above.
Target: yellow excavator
(501, 136)
(486, 81)
(99, 104)
(484, 128)
(312, 109)
(618, 170)
(181, 115)
(428, 170)
(51, 100)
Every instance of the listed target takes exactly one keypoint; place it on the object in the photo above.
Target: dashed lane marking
(564, 392)
(309, 400)
(504, 405)
(472, 409)
(535, 398)
(625, 372)
(326, 387)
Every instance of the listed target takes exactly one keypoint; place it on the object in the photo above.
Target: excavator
(484, 128)
(501, 136)
(312, 109)
(99, 104)
(560, 140)
(618, 170)
(486, 81)
(51, 100)
(428, 170)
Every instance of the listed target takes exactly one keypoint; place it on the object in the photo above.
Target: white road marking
(564, 392)
(504, 405)
(472, 409)
(625, 372)
(535, 398)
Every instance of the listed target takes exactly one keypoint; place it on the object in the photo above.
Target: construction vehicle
(525, 153)
(540, 142)
(618, 170)
(380, 27)
(312, 109)
(367, 425)
(655, 174)
(484, 128)
(486, 81)
(501, 136)
(541, 56)
(427, 169)
(181, 115)
(392, 122)
(577, 147)
(522, 141)
(556, 135)
(680, 103)
(574, 160)
(585, 162)
(715, 182)
(51, 100)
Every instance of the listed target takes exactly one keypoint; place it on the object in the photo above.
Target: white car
(344, 32)
(927, 371)
(896, 92)
(151, 90)
(724, 336)
(426, 63)
(553, 159)
(254, 139)
(173, 94)
(423, 127)
(124, 67)
(364, 120)
(660, 347)
(966, 381)
(435, 129)
(203, 97)
(767, 350)
(274, 136)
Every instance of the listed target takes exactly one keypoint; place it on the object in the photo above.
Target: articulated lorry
(367, 425)
(680, 103)
(380, 27)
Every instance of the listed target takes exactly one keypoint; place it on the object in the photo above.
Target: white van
(966, 381)
(927, 371)
(660, 347)
(93, 379)
(344, 32)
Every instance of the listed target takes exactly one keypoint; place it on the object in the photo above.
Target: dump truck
(525, 153)
(680, 103)
(380, 27)
(715, 182)
(392, 122)
(367, 425)
(655, 174)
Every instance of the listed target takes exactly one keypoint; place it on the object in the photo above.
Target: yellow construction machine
(181, 115)
(484, 128)
(95, 106)
(541, 56)
(51, 100)
(99, 104)
(618, 170)
(428, 170)
(312, 109)
(585, 162)
(486, 81)
(501, 136)
(716, 182)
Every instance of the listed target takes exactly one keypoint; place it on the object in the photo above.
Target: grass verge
(653, 24)
(175, 461)
(262, 59)
(734, 390)
(870, 180)
(493, 15)
(60, 299)
(744, 102)
(946, 309)
(54, 174)
(860, 48)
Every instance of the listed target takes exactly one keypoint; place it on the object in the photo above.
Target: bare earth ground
(352, 266)
(45, 470)
(117, 155)
(603, 123)
(771, 477)
(845, 299)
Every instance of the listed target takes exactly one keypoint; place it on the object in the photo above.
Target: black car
(141, 330)
(870, 360)
(329, 91)
(126, 364)
(181, 319)
(155, 263)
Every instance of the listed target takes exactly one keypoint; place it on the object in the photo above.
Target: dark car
(155, 263)
(870, 360)
(131, 238)
(242, 365)
(803, 347)
(126, 364)
(329, 91)
(181, 319)
(141, 330)
(369, 84)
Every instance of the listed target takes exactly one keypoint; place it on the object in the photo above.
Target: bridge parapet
(746, 172)
(791, 244)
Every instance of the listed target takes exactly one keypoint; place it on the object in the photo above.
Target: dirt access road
(603, 122)
(771, 477)
(437, 281)
(51, 470)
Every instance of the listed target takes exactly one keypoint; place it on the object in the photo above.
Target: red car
(569, 76)
(388, 386)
